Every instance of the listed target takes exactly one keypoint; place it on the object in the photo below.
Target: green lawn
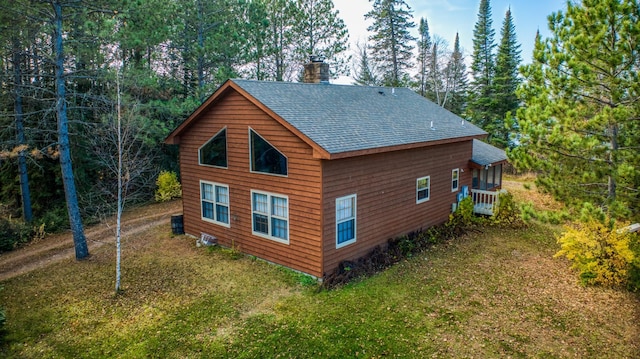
(493, 294)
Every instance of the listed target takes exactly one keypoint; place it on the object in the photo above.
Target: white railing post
(484, 202)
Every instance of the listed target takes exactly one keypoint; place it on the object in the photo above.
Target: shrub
(464, 216)
(599, 250)
(15, 232)
(508, 212)
(8, 235)
(634, 271)
(55, 219)
(3, 319)
(168, 187)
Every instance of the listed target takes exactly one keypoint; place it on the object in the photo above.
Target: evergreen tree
(579, 124)
(257, 47)
(506, 80)
(391, 40)
(366, 72)
(436, 78)
(321, 32)
(424, 56)
(456, 80)
(481, 107)
(282, 16)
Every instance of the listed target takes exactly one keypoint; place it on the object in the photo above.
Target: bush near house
(399, 248)
(168, 187)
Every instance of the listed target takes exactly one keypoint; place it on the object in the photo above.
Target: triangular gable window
(214, 152)
(266, 158)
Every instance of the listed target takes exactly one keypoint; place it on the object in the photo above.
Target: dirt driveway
(54, 248)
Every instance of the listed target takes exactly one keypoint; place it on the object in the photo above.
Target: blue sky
(446, 17)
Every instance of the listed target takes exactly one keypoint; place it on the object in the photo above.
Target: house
(308, 175)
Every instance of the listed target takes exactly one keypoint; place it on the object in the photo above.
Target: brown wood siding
(302, 185)
(385, 185)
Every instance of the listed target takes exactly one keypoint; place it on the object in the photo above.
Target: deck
(484, 202)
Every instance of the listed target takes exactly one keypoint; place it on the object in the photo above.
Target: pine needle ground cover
(496, 293)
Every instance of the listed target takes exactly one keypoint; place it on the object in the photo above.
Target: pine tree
(365, 72)
(506, 80)
(579, 124)
(481, 108)
(424, 56)
(391, 39)
(457, 80)
(321, 32)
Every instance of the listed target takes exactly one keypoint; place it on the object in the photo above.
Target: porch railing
(484, 202)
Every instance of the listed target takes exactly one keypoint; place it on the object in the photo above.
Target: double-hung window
(423, 189)
(214, 200)
(455, 180)
(270, 216)
(345, 220)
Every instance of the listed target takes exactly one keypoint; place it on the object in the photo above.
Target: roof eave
(376, 150)
(474, 164)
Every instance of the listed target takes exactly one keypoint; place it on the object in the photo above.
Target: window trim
(270, 215)
(215, 204)
(354, 198)
(270, 144)
(428, 188)
(226, 149)
(457, 180)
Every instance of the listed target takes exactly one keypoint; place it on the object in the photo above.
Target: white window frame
(226, 144)
(354, 199)
(418, 189)
(455, 178)
(270, 216)
(215, 203)
(270, 144)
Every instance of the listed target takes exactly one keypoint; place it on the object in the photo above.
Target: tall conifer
(424, 56)
(506, 80)
(391, 39)
(457, 80)
(581, 96)
(481, 109)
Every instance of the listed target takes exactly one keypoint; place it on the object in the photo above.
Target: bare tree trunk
(27, 213)
(120, 201)
(71, 196)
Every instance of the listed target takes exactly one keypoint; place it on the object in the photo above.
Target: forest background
(71, 68)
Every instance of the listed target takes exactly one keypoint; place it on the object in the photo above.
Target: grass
(493, 294)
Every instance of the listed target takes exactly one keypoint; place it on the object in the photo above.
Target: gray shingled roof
(342, 118)
(485, 154)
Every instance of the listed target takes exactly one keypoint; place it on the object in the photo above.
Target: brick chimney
(316, 71)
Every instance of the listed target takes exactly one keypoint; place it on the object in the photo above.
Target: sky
(446, 17)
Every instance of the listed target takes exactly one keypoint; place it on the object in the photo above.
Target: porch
(484, 202)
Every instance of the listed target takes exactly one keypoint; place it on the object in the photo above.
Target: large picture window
(214, 152)
(264, 157)
(270, 216)
(214, 199)
(345, 220)
(423, 189)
